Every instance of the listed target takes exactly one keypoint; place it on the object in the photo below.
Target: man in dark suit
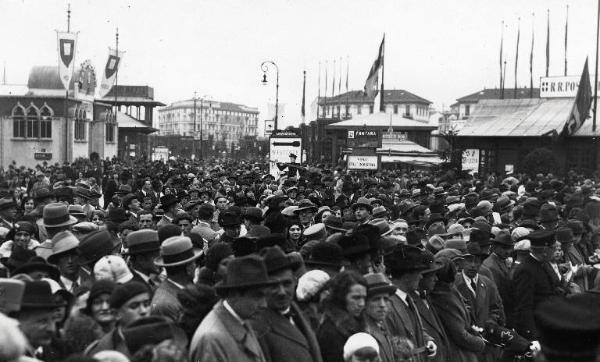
(481, 295)
(143, 247)
(431, 322)
(405, 265)
(533, 282)
(502, 247)
(282, 330)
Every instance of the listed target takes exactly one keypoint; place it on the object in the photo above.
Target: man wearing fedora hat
(225, 333)
(65, 255)
(362, 210)
(405, 265)
(143, 248)
(481, 295)
(8, 212)
(55, 219)
(178, 257)
(306, 213)
(497, 264)
(283, 331)
(37, 321)
(169, 205)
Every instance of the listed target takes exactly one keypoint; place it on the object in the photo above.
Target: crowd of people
(221, 261)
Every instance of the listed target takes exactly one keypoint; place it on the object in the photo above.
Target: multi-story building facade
(356, 102)
(218, 122)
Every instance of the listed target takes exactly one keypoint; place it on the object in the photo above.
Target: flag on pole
(326, 66)
(548, 45)
(340, 80)
(67, 45)
(373, 77)
(583, 102)
(110, 71)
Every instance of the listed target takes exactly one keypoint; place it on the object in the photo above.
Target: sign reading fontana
(362, 162)
(363, 138)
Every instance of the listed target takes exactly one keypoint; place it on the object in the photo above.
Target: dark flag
(373, 78)
(583, 102)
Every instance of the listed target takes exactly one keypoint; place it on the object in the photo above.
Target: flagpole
(596, 75)
(116, 76)
(304, 97)
(566, 37)
(318, 90)
(326, 66)
(381, 107)
(501, 48)
(347, 95)
(67, 95)
(504, 79)
(531, 56)
(517, 58)
(548, 44)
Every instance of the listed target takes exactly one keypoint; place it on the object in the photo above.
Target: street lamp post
(265, 68)
(194, 133)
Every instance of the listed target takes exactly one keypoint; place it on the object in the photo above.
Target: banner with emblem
(67, 45)
(110, 71)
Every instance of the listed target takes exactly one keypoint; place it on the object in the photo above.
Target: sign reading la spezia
(561, 86)
(362, 162)
(470, 160)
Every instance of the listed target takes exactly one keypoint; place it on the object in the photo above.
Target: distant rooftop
(359, 96)
(496, 93)
(132, 94)
(225, 106)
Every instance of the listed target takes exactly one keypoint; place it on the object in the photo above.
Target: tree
(540, 160)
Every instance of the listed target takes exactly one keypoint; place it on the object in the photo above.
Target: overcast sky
(439, 50)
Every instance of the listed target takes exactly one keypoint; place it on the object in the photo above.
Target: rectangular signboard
(362, 162)
(280, 149)
(363, 138)
(400, 136)
(561, 86)
(470, 160)
(42, 156)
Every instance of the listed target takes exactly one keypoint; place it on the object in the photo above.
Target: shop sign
(363, 138)
(45, 156)
(362, 162)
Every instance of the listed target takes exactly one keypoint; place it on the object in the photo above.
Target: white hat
(523, 245)
(12, 340)
(110, 356)
(358, 341)
(112, 267)
(289, 211)
(310, 283)
(519, 232)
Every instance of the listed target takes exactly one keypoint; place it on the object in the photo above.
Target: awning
(382, 121)
(125, 121)
(413, 160)
(532, 117)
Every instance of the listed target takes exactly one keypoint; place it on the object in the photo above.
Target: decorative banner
(110, 71)
(67, 45)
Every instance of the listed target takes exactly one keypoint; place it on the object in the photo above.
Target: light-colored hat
(177, 250)
(519, 232)
(310, 283)
(112, 267)
(289, 211)
(315, 232)
(358, 341)
(523, 245)
(62, 242)
(56, 215)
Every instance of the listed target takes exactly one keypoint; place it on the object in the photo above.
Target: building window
(347, 110)
(467, 109)
(339, 110)
(19, 123)
(371, 108)
(407, 110)
(33, 123)
(46, 122)
(359, 109)
(110, 127)
(79, 131)
(395, 109)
